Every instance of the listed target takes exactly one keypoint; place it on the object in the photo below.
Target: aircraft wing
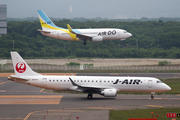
(79, 35)
(87, 88)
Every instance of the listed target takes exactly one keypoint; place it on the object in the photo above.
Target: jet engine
(109, 92)
(97, 39)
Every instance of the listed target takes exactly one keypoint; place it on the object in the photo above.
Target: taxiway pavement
(24, 102)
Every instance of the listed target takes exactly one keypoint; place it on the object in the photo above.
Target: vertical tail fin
(21, 68)
(46, 23)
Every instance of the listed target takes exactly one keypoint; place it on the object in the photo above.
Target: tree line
(151, 39)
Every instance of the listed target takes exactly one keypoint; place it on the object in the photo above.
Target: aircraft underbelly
(111, 37)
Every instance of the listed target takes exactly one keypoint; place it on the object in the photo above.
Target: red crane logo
(20, 67)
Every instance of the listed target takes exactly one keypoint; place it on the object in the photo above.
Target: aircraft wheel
(152, 96)
(84, 43)
(89, 96)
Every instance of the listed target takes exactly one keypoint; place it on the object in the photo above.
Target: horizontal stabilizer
(13, 78)
(42, 31)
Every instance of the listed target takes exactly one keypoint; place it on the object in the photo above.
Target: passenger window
(61, 80)
(53, 80)
(64, 80)
(92, 81)
(85, 81)
(57, 80)
(50, 80)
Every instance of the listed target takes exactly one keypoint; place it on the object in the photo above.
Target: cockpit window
(124, 31)
(159, 81)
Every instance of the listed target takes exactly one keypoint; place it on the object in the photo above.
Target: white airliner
(94, 35)
(106, 86)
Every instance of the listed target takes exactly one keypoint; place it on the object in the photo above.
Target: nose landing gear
(152, 95)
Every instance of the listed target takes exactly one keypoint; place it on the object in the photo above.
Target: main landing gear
(84, 43)
(89, 96)
(152, 95)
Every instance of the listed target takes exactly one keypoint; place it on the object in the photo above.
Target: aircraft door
(119, 34)
(150, 83)
(44, 81)
(58, 35)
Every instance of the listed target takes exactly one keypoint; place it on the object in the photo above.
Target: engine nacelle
(109, 92)
(97, 39)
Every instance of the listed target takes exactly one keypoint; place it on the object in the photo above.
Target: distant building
(3, 19)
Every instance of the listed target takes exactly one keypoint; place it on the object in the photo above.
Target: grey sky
(93, 8)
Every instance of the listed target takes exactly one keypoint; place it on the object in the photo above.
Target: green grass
(174, 84)
(142, 113)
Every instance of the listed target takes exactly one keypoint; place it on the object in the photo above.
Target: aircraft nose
(167, 87)
(129, 34)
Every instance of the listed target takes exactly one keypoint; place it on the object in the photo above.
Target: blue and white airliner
(107, 86)
(94, 35)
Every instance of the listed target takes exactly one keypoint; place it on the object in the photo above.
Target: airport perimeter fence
(97, 64)
(46, 67)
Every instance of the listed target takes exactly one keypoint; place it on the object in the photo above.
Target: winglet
(69, 28)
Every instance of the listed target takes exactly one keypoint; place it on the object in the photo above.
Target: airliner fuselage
(121, 84)
(94, 35)
(102, 34)
(106, 86)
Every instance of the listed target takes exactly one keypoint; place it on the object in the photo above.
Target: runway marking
(4, 82)
(101, 108)
(30, 99)
(2, 90)
(155, 106)
(147, 98)
(64, 112)
(31, 96)
(41, 90)
(114, 73)
(12, 118)
(52, 114)
(29, 114)
(23, 91)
